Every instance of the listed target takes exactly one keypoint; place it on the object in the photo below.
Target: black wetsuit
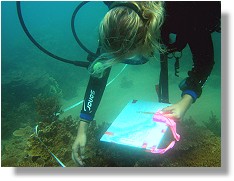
(192, 22)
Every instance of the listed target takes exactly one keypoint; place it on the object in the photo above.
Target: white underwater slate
(134, 126)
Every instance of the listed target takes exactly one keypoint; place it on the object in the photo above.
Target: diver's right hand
(78, 147)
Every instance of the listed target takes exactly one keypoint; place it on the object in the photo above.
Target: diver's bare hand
(78, 147)
(174, 112)
(178, 110)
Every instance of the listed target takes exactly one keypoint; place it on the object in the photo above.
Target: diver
(133, 31)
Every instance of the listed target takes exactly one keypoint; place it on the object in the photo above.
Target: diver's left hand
(178, 110)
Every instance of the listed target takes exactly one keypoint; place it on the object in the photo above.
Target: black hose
(163, 80)
(77, 63)
(74, 31)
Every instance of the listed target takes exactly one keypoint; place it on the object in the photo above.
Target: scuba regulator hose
(91, 54)
(76, 63)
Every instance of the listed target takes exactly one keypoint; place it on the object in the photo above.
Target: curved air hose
(74, 31)
(77, 63)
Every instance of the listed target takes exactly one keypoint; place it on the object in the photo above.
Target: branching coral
(213, 124)
(198, 147)
(47, 107)
(56, 137)
(13, 148)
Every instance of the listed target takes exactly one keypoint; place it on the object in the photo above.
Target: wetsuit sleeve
(201, 46)
(93, 95)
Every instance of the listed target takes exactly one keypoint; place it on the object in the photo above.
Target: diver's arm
(91, 102)
(201, 46)
(93, 96)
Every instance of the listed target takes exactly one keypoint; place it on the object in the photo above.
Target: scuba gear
(177, 55)
(162, 88)
(136, 60)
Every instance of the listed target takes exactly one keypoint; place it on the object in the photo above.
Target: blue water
(50, 25)
(27, 72)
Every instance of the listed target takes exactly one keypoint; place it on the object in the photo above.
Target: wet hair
(123, 33)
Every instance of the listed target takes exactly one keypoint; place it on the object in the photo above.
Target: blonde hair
(122, 33)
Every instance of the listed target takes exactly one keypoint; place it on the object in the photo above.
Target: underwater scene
(41, 96)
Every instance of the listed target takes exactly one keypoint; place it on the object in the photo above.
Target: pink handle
(163, 150)
(158, 117)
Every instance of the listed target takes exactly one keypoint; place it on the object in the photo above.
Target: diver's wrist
(83, 126)
(186, 100)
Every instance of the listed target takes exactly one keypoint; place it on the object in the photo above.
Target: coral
(33, 150)
(9, 162)
(18, 89)
(56, 137)
(35, 79)
(18, 114)
(213, 125)
(23, 131)
(198, 147)
(191, 134)
(207, 154)
(13, 148)
(47, 107)
(125, 83)
(54, 89)
(14, 118)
